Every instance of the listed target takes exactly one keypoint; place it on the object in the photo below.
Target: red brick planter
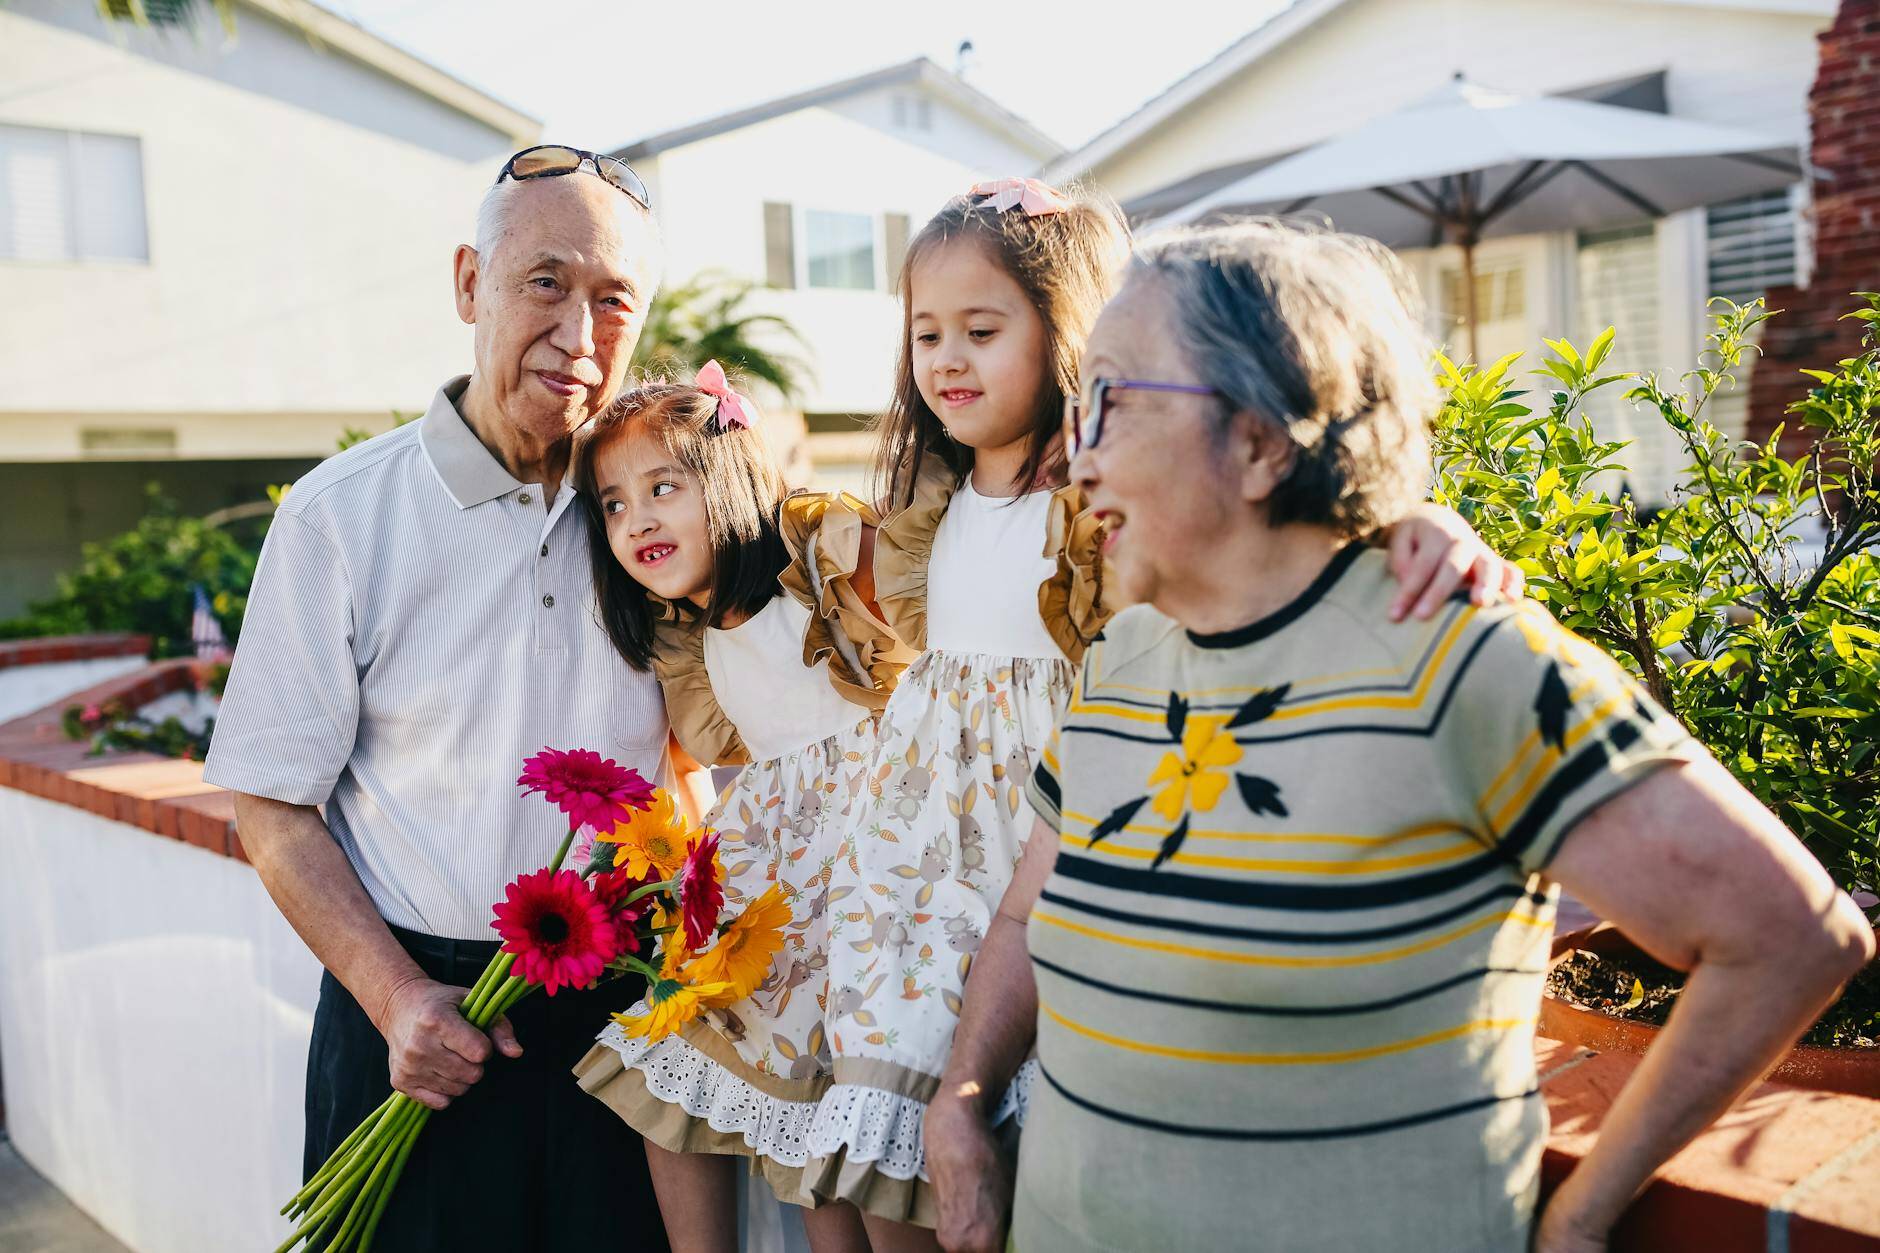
(56, 648)
(1854, 1071)
(163, 795)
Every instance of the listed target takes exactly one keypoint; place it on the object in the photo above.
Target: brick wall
(1844, 117)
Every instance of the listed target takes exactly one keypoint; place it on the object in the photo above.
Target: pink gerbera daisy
(592, 790)
(701, 895)
(558, 929)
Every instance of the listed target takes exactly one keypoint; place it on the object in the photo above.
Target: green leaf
(1600, 347)
(1672, 629)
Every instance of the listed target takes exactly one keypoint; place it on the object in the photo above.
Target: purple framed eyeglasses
(1083, 415)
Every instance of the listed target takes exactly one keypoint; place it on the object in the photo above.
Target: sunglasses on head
(1083, 415)
(554, 160)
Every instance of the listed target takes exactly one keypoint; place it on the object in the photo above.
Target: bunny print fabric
(942, 820)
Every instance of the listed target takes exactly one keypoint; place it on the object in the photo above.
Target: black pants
(524, 1162)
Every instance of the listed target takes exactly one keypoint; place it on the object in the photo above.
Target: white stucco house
(1320, 67)
(814, 196)
(216, 254)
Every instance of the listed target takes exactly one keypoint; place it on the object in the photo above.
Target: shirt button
(545, 550)
(525, 498)
(548, 602)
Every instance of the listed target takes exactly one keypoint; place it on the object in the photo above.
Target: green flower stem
(473, 1011)
(669, 885)
(652, 975)
(346, 1180)
(334, 1160)
(315, 1237)
(301, 1199)
(508, 999)
(391, 1180)
(363, 1200)
(483, 982)
(495, 1000)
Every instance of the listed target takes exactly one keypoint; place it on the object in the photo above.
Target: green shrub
(141, 581)
(1770, 660)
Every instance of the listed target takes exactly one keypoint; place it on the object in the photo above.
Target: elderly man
(422, 619)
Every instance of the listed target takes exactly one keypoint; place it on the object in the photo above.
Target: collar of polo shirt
(466, 468)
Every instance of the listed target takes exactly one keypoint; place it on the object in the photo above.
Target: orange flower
(741, 957)
(651, 843)
(669, 1006)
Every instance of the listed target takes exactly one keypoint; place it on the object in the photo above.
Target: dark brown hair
(741, 485)
(1067, 264)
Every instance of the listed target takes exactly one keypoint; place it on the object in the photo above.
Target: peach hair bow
(734, 408)
(1036, 198)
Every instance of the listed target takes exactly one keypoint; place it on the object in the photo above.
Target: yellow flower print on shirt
(1197, 775)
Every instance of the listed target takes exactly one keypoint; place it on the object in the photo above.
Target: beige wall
(299, 271)
(1372, 56)
(711, 194)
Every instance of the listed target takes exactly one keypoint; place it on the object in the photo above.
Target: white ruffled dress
(1003, 594)
(793, 692)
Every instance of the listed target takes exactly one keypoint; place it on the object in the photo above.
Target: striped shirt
(420, 622)
(1290, 960)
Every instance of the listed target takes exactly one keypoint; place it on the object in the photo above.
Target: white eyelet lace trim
(884, 1129)
(679, 1074)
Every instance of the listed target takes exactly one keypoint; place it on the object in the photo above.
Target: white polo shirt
(418, 625)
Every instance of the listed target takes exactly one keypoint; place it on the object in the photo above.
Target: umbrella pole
(1468, 295)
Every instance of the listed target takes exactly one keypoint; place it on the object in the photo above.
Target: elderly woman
(1289, 907)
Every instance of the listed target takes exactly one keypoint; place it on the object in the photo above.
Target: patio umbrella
(1469, 163)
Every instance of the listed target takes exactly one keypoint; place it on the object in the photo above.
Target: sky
(602, 73)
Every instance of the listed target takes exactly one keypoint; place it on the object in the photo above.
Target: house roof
(323, 26)
(1273, 34)
(920, 71)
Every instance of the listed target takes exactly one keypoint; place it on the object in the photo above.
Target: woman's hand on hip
(972, 1180)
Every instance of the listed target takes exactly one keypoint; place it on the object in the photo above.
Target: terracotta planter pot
(1855, 1071)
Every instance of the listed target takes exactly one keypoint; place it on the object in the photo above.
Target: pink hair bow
(734, 408)
(1036, 198)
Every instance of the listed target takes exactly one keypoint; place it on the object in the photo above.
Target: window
(156, 12)
(912, 113)
(1751, 246)
(70, 196)
(1500, 294)
(840, 248)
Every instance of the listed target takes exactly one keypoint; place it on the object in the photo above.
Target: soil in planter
(1602, 983)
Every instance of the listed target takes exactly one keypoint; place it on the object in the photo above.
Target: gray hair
(1317, 334)
(493, 217)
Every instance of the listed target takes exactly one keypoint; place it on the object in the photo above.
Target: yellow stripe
(1304, 837)
(1527, 746)
(1376, 672)
(1538, 776)
(1291, 963)
(1288, 1059)
(1413, 700)
(1275, 865)
(1050, 757)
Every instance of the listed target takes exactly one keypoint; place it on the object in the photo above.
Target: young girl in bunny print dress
(753, 610)
(993, 569)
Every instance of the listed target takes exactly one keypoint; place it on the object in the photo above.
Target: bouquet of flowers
(646, 899)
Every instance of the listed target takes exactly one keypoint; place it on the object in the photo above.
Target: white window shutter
(36, 200)
(1618, 273)
(110, 180)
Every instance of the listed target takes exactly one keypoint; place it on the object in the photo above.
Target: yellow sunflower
(1197, 773)
(741, 956)
(652, 843)
(669, 1006)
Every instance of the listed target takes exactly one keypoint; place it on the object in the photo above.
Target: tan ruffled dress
(792, 694)
(1004, 597)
